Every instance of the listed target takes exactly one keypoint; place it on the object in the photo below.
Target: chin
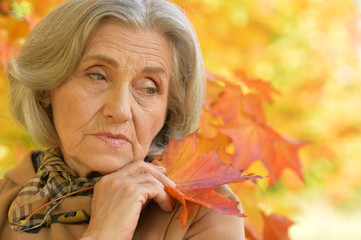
(108, 164)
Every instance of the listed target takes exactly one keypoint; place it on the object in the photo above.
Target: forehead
(126, 45)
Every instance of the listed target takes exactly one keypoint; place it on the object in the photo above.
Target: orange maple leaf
(257, 141)
(244, 123)
(264, 90)
(197, 177)
(276, 227)
(227, 104)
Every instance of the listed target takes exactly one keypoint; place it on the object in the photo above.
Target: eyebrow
(154, 70)
(103, 58)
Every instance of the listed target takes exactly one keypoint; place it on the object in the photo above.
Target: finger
(158, 172)
(158, 194)
(160, 168)
(139, 188)
(163, 179)
(140, 167)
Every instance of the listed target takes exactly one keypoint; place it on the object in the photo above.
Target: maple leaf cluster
(234, 116)
(234, 122)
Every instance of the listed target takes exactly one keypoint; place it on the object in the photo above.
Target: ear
(45, 99)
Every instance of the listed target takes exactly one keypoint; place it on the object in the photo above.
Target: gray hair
(54, 48)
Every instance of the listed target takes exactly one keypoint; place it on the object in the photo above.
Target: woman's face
(113, 105)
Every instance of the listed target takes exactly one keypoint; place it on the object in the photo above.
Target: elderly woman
(104, 84)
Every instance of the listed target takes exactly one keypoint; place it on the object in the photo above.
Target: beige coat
(153, 223)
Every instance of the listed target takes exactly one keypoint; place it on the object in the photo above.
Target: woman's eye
(148, 86)
(151, 90)
(96, 76)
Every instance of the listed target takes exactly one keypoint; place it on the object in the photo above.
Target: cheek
(149, 125)
(69, 114)
(62, 120)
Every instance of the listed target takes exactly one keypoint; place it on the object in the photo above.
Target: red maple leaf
(197, 177)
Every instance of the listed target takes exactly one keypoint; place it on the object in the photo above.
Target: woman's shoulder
(202, 222)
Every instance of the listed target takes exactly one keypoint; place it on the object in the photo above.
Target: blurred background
(310, 51)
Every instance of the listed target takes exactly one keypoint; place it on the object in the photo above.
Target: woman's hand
(120, 196)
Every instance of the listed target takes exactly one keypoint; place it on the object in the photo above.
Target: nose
(117, 106)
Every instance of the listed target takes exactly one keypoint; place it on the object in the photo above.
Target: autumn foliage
(234, 134)
(234, 123)
(233, 118)
(241, 122)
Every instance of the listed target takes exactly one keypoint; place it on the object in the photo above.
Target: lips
(114, 140)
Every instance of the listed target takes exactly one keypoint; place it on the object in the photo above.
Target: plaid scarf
(52, 180)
